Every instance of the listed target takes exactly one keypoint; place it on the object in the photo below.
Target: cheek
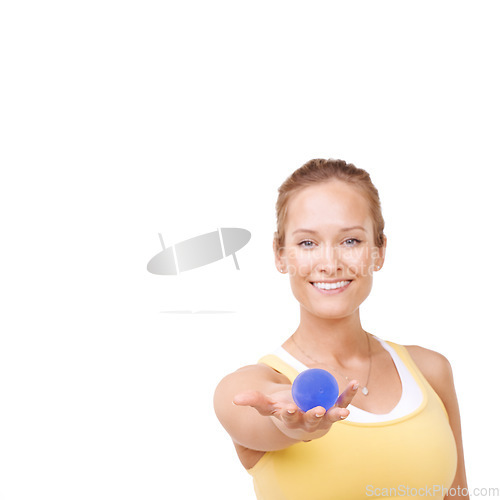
(365, 289)
(358, 261)
(300, 262)
(305, 265)
(299, 290)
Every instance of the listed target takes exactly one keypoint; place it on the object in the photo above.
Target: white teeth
(331, 286)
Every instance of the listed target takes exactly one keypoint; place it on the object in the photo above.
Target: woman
(395, 429)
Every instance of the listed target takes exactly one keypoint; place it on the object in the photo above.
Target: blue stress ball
(315, 387)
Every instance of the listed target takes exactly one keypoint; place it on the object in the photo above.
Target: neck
(321, 338)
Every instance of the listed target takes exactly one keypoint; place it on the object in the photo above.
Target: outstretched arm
(255, 406)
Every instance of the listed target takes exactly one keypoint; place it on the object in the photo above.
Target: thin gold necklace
(364, 389)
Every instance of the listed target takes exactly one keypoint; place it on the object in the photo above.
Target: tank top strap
(415, 371)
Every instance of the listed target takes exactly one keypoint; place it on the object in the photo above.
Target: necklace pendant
(365, 391)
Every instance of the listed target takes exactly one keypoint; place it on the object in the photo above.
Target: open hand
(290, 419)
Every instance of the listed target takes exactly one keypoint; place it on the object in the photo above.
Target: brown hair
(319, 170)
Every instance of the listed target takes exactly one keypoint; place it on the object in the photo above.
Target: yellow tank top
(412, 456)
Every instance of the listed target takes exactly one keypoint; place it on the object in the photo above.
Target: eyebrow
(344, 229)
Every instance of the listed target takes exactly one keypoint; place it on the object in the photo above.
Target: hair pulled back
(320, 170)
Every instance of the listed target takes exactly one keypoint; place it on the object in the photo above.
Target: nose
(329, 259)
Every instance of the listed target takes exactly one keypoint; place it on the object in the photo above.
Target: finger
(312, 418)
(346, 397)
(262, 403)
(335, 414)
(291, 416)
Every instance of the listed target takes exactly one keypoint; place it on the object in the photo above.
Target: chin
(327, 312)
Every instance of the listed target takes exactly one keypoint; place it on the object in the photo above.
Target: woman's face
(329, 238)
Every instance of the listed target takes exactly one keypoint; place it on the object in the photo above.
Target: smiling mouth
(330, 286)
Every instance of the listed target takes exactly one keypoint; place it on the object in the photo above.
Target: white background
(122, 120)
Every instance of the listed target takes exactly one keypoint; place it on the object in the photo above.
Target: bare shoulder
(434, 366)
(427, 360)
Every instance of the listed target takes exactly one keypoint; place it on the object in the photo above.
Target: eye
(303, 244)
(354, 240)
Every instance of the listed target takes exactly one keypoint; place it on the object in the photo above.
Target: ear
(379, 261)
(278, 258)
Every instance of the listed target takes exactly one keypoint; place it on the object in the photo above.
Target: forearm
(265, 435)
